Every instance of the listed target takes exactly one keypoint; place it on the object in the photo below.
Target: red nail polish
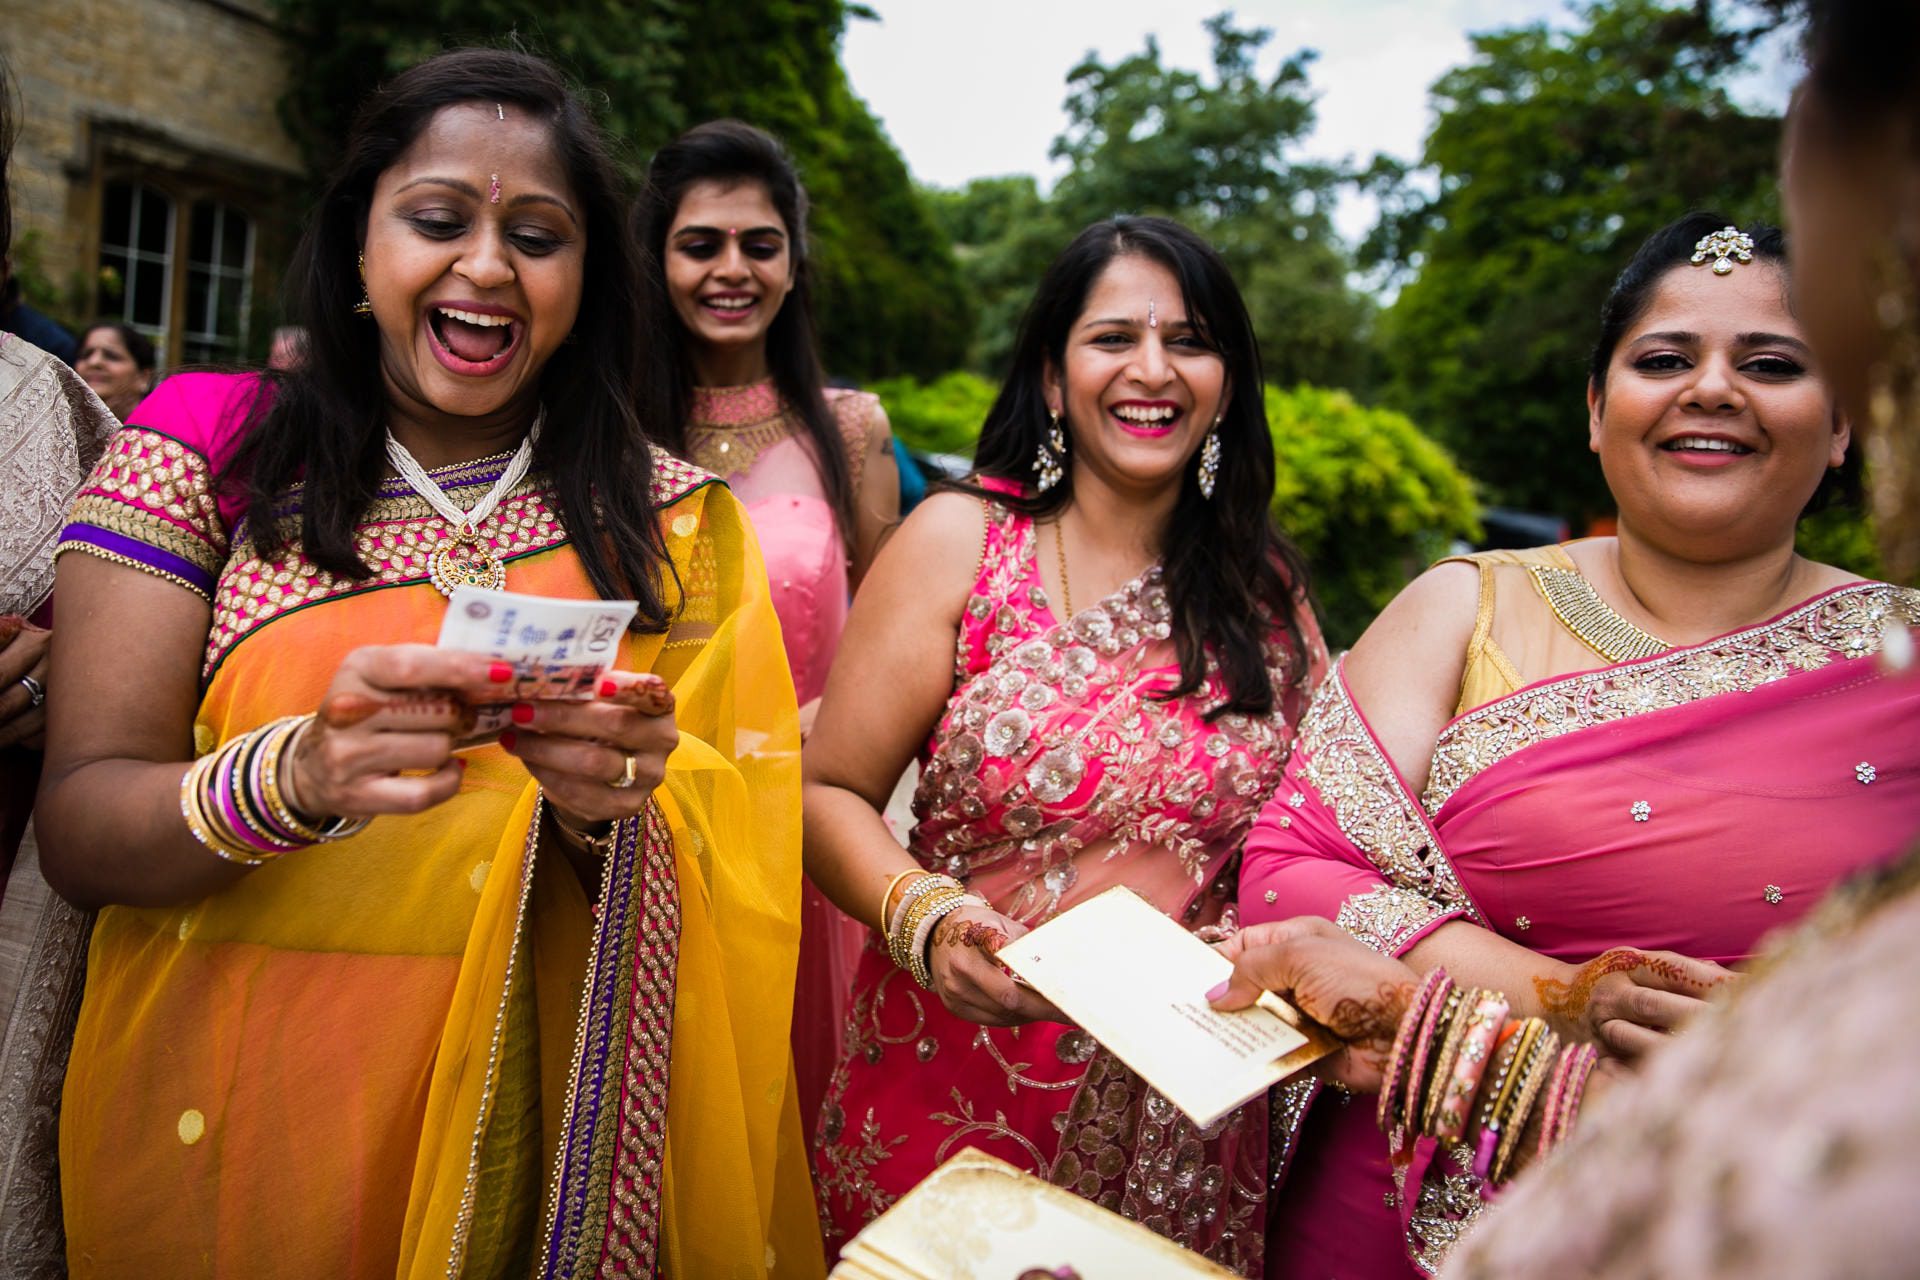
(500, 672)
(507, 738)
(522, 713)
(462, 762)
(608, 688)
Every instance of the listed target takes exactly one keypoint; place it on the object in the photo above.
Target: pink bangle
(1587, 1057)
(1556, 1094)
(1394, 1081)
(1423, 1050)
(1483, 1024)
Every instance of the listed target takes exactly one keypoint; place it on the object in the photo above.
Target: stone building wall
(180, 94)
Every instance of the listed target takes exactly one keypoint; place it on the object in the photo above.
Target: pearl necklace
(463, 560)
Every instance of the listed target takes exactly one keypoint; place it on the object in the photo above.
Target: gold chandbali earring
(1209, 473)
(1049, 464)
(364, 307)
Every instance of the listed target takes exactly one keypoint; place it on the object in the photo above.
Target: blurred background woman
(1592, 776)
(1098, 648)
(116, 360)
(724, 220)
(446, 1040)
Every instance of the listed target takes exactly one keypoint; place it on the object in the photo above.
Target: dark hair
(1860, 58)
(1632, 293)
(324, 421)
(138, 345)
(733, 151)
(1228, 569)
(6, 157)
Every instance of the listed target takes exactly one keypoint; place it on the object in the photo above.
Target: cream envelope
(978, 1218)
(1137, 982)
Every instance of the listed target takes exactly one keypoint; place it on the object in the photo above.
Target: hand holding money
(598, 760)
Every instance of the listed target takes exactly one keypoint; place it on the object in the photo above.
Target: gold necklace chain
(1598, 625)
(1060, 551)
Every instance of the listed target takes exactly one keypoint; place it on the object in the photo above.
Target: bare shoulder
(937, 548)
(1405, 671)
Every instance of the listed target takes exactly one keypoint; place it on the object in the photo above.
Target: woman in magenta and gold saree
(531, 1017)
(1590, 817)
(1125, 736)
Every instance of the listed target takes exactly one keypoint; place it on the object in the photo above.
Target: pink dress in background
(748, 437)
(1053, 775)
(1688, 802)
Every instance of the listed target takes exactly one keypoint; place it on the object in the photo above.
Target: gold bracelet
(1545, 1051)
(912, 902)
(887, 896)
(285, 731)
(901, 942)
(920, 954)
(1442, 1069)
(600, 846)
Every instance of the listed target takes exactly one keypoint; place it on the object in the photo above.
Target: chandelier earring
(364, 307)
(1209, 473)
(1049, 464)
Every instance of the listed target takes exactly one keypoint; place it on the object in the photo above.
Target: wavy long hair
(729, 151)
(1229, 570)
(324, 423)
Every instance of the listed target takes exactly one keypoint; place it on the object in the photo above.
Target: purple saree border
(121, 546)
(610, 968)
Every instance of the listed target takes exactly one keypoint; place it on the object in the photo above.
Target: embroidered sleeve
(854, 412)
(150, 505)
(1390, 919)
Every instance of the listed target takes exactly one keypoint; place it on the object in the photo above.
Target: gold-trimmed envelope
(980, 1218)
(1136, 982)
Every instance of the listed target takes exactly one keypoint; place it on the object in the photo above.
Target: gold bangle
(902, 940)
(1541, 1065)
(1442, 1069)
(200, 821)
(893, 884)
(285, 731)
(900, 926)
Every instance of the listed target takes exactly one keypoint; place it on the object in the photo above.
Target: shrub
(1368, 498)
(942, 416)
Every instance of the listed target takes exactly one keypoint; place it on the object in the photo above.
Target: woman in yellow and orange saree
(532, 1018)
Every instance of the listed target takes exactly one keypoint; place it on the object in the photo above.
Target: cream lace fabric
(52, 430)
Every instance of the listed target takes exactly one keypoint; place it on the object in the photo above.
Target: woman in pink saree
(1124, 736)
(724, 220)
(1650, 751)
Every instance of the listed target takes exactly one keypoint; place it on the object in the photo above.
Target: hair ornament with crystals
(1725, 247)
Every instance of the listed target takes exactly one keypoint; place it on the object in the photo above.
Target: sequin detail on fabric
(1844, 624)
(1387, 917)
(149, 504)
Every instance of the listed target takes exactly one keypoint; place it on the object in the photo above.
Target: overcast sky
(973, 89)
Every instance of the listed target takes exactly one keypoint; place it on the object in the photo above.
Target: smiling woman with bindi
(321, 898)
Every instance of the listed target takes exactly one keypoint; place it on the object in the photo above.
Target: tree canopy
(890, 294)
(1216, 152)
(1555, 152)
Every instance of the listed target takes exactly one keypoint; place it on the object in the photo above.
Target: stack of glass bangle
(1465, 1074)
(234, 803)
(927, 898)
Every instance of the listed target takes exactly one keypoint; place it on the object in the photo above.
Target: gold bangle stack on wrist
(923, 903)
(235, 799)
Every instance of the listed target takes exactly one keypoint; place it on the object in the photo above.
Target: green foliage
(942, 416)
(1368, 499)
(1212, 152)
(1554, 154)
(1841, 536)
(889, 290)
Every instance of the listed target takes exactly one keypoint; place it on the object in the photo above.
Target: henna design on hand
(1570, 999)
(1371, 1024)
(11, 625)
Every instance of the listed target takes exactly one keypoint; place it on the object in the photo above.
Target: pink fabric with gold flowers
(1054, 774)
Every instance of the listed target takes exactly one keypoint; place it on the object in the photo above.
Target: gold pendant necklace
(463, 560)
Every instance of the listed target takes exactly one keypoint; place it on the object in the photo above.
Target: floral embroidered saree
(1691, 801)
(420, 1051)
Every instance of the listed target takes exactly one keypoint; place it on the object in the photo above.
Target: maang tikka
(1049, 463)
(1724, 247)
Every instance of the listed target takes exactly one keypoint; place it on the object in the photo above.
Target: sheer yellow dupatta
(671, 1137)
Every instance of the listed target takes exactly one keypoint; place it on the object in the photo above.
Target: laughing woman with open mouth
(357, 1005)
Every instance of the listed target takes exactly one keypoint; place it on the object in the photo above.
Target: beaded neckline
(1582, 609)
(749, 405)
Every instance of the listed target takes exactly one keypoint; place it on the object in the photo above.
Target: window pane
(149, 293)
(200, 239)
(156, 233)
(232, 317)
(199, 289)
(113, 284)
(233, 251)
(116, 215)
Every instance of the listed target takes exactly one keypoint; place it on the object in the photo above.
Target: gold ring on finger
(629, 775)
